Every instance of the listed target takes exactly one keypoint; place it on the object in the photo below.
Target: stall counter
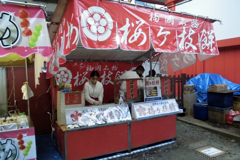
(89, 142)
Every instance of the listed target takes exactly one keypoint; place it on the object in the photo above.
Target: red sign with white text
(107, 25)
(133, 28)
(163, 32)
(98, 25)
(78, 73)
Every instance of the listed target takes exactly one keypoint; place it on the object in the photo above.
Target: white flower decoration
(97, 24)
(63, 76)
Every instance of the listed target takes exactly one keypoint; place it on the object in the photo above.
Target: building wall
(226, 65)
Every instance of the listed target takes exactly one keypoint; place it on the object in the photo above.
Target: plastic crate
(201, 111)
(217, 114)
(220, 99)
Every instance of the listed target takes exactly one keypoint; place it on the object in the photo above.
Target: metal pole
(164, 9)
(28, 104)
(151, 63)
(25, 4)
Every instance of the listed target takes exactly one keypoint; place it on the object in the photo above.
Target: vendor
(93, 90)
(132, 75)
(153, 73)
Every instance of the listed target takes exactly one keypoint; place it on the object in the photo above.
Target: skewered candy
(36, 33)
(28, 147)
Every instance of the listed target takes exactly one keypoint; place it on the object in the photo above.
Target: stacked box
(236, 103)
(201, 111)
(221, 99)
(189, 100)
(218, 87)
(190, 88)
(217, 114)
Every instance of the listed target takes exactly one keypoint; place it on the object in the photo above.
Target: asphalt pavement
(189, 138)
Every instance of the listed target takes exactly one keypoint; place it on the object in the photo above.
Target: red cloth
(89, 104)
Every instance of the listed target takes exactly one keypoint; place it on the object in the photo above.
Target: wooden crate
(68, 100)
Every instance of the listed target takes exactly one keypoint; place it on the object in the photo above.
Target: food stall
(23, 33)
(109, 31)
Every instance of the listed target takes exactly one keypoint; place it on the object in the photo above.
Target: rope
(13, 88)
(157, 61)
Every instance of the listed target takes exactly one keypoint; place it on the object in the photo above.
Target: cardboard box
(189, 109)
(190, 98)
(189, 89)
(217, 87)
(218, 115)
(236, 98)
(236, 106)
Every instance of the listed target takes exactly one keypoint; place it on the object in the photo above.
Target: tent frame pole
(151, 63)
(28, 103)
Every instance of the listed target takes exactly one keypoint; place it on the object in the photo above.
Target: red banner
(105, 25)
(77, 73)
(67, 36)
(98, 25)
(163, 32)
(133, 29)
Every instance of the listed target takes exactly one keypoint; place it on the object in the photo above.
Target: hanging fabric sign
(23, 31)
(78, 73)
(108, 25)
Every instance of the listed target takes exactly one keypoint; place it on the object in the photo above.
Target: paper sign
(18, 144)
(152, 90)
(211, 151)
(154, 108)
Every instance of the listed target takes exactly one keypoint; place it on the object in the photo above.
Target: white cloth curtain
(38, 65)
(3, 91)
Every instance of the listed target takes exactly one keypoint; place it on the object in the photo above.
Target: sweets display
(90, 116)
(13, 123)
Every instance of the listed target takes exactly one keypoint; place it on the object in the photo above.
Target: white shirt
(95, 91)
(130, 75)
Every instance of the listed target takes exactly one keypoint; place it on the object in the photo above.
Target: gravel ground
(189, 138)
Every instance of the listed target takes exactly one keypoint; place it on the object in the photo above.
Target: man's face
(140, 73)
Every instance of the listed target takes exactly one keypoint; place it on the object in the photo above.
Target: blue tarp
(204, 80)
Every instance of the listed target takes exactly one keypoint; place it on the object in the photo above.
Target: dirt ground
(189, 138)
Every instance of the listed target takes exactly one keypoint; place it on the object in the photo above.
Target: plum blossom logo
(141, 111)
(75, 116)
(97, 23)
(64, 76)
